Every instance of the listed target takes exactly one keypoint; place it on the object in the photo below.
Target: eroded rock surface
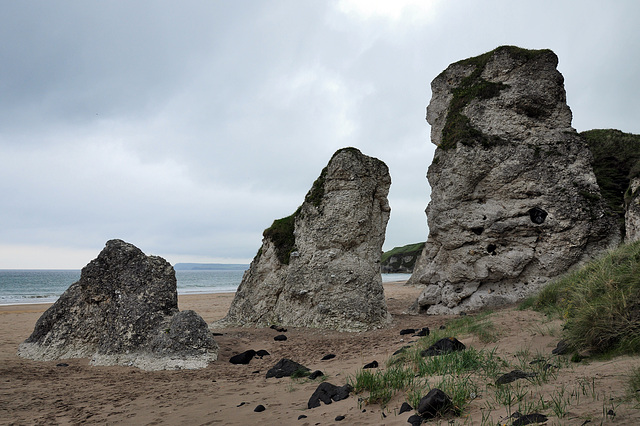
(123, 311)
(320, 267)
(514, 199)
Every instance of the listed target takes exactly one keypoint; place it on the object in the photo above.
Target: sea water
(45, 286)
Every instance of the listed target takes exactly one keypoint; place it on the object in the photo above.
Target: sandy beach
(34, 392)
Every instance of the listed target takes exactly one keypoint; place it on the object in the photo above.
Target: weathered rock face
(514, 199)
(123, 311)
(320, 267)
(632, 211)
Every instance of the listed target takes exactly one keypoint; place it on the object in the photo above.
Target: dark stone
(415, 420)
(262, 353)
(62, 364)
(561, 348)
(285, 368)
(372, 364)
(443, 346)
(278, 329)
(123, 310)
(529, 419)
(401, 350)
(302, 416)
(241, 404)
(315, 375)
(326, 392)
(423, 332)
(513, 376)
(260, 408)
(339, 418)
(407, 331)
(405, 407)
(328, 357)
(243, 358)
(434, 403)
(537, 215)
(280, 338)
(217, 334)
(443, 327)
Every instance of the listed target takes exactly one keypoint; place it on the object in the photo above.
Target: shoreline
(183, 295)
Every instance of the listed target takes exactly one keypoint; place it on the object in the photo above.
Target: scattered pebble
(260, 408)
(372, 364)
(280, 338)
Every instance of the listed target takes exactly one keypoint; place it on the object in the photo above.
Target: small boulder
(260, 408)
(372, 364)
(562, 348)
(286, 368)
(530, 419)
(280, 338)
(243, 358)
(328, 357)
(262, 353)
(315, 375)
(443, 346)
(326, 392)
(407, 331)
(405, 407)
(513, 376)
(434, 403)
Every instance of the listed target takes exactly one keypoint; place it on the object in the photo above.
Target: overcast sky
(187, 127)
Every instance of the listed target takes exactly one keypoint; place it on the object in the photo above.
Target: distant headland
(210, 266)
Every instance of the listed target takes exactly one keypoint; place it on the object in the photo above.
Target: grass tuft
(600, 303)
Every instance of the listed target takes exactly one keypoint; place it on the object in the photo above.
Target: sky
(186, 128)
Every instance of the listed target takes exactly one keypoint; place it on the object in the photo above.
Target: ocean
(45, 286)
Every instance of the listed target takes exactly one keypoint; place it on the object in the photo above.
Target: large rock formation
(514, 199)
(123, 311)
(320, 267)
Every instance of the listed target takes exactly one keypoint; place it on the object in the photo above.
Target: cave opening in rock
(491, 248)
(537, 215)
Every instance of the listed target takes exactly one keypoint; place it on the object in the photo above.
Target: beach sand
(33, 392)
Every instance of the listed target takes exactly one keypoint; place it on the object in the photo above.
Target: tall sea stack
(514, 198)
(320, 267)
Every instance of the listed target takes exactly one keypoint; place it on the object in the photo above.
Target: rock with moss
(616, 164)
(514, 198)
(123, 311)
(320, 267)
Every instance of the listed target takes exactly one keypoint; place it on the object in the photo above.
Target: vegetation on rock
(281, 235)
(616, 160)
(457, 127)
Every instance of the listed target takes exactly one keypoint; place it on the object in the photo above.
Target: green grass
(600, 303)
(281, 235)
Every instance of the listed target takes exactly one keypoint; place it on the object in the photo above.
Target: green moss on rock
(280, 233)
(458, 127)
(616, 160)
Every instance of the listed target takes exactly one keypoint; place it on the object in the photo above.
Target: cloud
(187, 128)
